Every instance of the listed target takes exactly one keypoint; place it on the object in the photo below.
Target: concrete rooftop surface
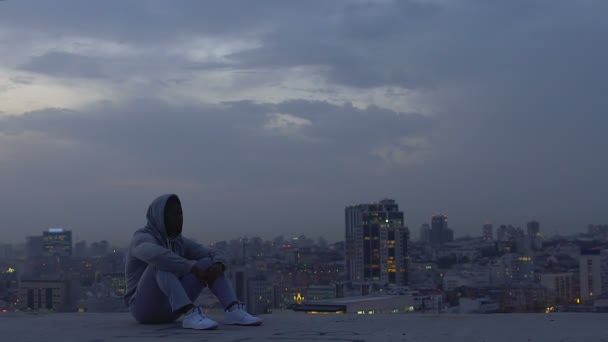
(119, 327)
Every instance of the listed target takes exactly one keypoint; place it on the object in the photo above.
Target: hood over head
(156, 216)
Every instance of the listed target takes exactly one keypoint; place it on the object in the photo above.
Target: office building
(260, 295)
(533, 229)
(6, 251)
(254, 290)
(57, 242)
(34, 247)
(560, 287)
(488, 232)
(49, 295)
(319, 292)
(425, 233)
(534, 240)
(440, 233)
(376, 243)
(80, 249)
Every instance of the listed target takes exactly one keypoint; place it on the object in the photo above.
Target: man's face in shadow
(174, 217)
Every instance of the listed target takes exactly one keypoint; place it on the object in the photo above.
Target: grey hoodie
(151, 246)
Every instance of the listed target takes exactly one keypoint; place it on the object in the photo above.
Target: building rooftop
(119, 327)
(356, 299)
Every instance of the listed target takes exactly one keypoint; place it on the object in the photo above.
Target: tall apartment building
(590, 274)
(425, 233)
(534, 237)
(560, 287)
(488, 232)
(376, 243)
(253, 289)
(440, 233)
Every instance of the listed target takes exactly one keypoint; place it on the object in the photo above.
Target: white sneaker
(194, 319)
(237, 315)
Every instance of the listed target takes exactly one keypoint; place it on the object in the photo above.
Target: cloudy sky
(269, 117)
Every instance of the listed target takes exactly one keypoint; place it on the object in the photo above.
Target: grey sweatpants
(160, 294)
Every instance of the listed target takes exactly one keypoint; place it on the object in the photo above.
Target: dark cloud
(117, 69)
(156, 21)
(515, 88)
(224, 152)
(413, 44)
(67, 64)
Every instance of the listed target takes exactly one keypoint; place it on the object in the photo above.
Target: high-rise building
(259, 295)
(34, 247)
(80, 249)
(238, 277)
(533, 229)
(534, 240)
(598, 231)
(6, 251)
(440, 233)
(590, 274)
(57, 241)
(255, 291)
(376, 243)
(425, 233)
(502, 234)
(488, 232)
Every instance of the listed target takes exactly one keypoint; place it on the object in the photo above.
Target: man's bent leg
(172, 287)
(220, 287)
(159, 295)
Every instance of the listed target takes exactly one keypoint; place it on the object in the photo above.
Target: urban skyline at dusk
(415, 232)
(334, 235)
(380, 267)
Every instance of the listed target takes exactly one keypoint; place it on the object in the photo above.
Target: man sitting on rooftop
(166, 272)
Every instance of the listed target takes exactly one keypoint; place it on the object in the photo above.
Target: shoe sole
(209, 328)
(255, 324)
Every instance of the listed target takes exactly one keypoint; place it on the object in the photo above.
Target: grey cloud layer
(516, 88)
(224, 152)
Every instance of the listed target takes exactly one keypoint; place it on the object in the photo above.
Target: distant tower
(503, 233)
(376, 243)
(57, 241)
(80, 249)
(488, 232)
(425, 233)
(440, 233)
(533, 229)
(534, 236)
(34, 247)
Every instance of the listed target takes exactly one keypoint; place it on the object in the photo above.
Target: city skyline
(414, 233)
(269, 118)
(376, 269)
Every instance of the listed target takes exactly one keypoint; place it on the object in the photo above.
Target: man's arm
(161, 257)
(197, 251)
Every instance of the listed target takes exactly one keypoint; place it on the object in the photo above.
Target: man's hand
(215, 270)
(200, 273)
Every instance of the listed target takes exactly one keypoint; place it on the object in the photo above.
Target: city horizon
(188, 232)
(380, 267)
(414, 232)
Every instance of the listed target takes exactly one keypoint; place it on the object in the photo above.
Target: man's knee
(204, 263)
